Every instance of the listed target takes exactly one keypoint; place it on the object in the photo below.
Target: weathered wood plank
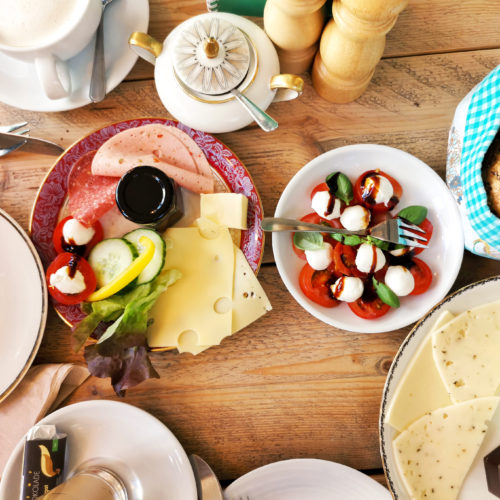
(288, 386)
(425, 26)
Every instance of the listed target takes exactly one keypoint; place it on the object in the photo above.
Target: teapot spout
(145, 46)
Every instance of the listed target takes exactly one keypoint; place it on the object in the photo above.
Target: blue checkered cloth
(482, 124)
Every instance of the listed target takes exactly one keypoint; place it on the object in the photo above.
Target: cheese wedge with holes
(435, 453)
(225, 209)
(467, 351)
(420, 389)
(188, 310)
(249, 302)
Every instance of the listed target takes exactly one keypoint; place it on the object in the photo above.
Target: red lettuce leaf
(122, 357)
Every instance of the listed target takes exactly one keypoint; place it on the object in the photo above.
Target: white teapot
(206, 58)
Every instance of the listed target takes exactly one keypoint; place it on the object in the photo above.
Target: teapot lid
(211, 56)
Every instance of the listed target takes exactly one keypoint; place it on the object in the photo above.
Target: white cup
(55, 40)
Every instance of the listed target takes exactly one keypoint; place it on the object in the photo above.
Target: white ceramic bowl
(421, 186)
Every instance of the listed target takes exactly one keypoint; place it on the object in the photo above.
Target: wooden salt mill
(351, 46)
(295, 27)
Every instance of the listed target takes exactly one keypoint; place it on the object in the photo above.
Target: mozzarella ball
(67, 284)
(399, 280)
(76, 233)
(347, 289)
(355, 218)
(399, 252)
(320, 203)
(380, 186)
(320, 259)
(365, 257)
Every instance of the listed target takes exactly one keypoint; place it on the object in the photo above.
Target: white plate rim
(376, 326)
(290, 466)
(100, 404)
(43, 318)
(115, 75)
(413, 336)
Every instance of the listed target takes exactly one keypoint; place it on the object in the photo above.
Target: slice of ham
(90, 196)
(199, 157)
(148, 145)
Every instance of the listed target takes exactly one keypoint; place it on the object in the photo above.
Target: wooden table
(289, 385)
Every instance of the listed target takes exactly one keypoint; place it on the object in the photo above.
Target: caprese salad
(368, 274)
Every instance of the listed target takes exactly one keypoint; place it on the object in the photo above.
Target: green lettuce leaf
(120, 324)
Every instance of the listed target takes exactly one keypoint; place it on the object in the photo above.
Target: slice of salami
(90, 196)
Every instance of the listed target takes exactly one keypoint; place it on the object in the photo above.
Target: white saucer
(306, 479)
(117, 431)
(19, 85)
(23, 303)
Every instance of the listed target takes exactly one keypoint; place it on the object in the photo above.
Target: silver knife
(30, 144)
(206, 481)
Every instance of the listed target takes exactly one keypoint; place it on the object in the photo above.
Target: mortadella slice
(193, 148)
(149, 145)
(90, 196)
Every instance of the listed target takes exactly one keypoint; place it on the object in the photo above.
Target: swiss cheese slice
(225, 209)
(467, 350)
(189, 309)
(435, 453)
(249, 301)
(420, 389)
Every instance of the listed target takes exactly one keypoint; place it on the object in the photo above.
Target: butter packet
(43, 461)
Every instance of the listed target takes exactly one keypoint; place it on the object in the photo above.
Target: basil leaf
(383, 245)
(308, 241)
(337, 236)
(414, 214)
(352, 240)
(385, 294)
(340, 185)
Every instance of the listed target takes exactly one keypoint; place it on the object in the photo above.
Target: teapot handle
(145, 46)
(288, 87)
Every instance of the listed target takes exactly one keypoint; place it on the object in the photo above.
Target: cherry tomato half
(369, 202)
(344, 261)
(316, 286)
(78, 264)
(421, 274)
(314, 218)
(369, 305)
(427, 226)
(65, 246)
(320, 187)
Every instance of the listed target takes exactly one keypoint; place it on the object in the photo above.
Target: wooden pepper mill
(295, 27)
(351, 46)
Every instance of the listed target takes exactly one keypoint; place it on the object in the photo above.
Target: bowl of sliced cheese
(439, 415)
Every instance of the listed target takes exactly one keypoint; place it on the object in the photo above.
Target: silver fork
(13, 128)
(392, 230)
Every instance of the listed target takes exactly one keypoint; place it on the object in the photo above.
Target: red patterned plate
(52, 194)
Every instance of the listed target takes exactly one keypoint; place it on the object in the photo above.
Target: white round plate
(421, 186)
(474, 487)
(306, 479)
(19, 84)
(117, 431)
(23, 303)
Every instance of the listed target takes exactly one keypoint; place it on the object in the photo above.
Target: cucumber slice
(154, 268)
(109, 258)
